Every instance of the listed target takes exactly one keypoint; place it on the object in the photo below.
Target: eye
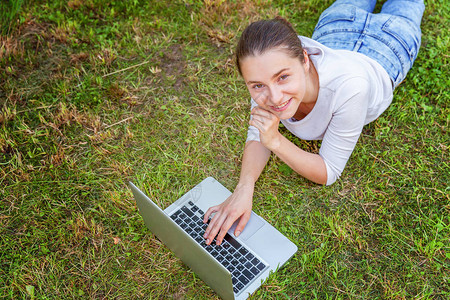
(284, 77)
(257, 86)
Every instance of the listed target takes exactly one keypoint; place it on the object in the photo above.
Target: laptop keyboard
(238, 260)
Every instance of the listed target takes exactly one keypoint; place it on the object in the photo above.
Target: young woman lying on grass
(327, 88)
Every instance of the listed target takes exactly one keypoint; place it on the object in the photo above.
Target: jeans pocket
(333, 15)
(405, 32)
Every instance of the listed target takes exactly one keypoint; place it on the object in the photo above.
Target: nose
(276, 95)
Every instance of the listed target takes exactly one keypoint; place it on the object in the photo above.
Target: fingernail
(237, 233)
(207, 242)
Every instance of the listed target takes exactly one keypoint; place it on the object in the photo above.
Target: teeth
(282, 104)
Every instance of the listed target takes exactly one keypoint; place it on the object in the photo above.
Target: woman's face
(276, 81)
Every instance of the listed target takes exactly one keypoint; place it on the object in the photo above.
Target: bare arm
(309, 165)
(254, 160)
(239, 204)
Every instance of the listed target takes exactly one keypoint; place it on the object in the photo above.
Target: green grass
(93, 95)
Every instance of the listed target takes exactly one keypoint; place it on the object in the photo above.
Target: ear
(306, 64)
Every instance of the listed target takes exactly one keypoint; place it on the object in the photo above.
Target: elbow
(321, 178)
(323, 173)
(318, 175)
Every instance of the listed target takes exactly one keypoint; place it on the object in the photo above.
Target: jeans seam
(349, 19)
(363, 33)
(397, 37)
(334, 31)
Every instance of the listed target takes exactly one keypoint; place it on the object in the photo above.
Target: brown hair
(264, 35)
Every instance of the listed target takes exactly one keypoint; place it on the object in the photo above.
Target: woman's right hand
(237, 205)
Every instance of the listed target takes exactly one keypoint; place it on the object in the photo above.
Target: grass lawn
(96, 93)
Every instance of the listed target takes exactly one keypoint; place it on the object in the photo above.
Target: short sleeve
(345, 126)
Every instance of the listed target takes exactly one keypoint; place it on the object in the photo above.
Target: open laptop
(234, 269)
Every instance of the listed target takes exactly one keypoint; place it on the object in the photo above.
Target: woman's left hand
(267, 124)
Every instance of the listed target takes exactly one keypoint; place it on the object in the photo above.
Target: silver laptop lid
(192, 254)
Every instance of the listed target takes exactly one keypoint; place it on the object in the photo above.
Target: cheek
(296, 86)
(260, 97)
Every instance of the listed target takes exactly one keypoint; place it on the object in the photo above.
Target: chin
(289, 113)
(285, 115)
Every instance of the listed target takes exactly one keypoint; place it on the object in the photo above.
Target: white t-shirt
(354, 90)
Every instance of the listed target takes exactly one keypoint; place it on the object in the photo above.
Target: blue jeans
(391, 37)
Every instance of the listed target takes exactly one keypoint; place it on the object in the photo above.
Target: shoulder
(352, 85)
(335, 66)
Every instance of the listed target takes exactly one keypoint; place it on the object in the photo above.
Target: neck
(313, 85)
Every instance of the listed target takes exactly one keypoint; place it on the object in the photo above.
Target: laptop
(234, 269)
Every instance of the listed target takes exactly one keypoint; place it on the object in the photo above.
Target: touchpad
(253, 225)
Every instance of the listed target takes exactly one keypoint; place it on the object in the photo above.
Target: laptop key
(187, 211)
(226, 244)
(248, 265)
(243, 251)
(249, 256)
(236, 255)
(175, 215)
(254, 270)
(248, 274)
(240, 267)
(260, 266)
(243, 279)
(232, 241)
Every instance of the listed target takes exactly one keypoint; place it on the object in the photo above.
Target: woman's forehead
(267, 64)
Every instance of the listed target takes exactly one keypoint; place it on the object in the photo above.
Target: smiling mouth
(282, 106)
